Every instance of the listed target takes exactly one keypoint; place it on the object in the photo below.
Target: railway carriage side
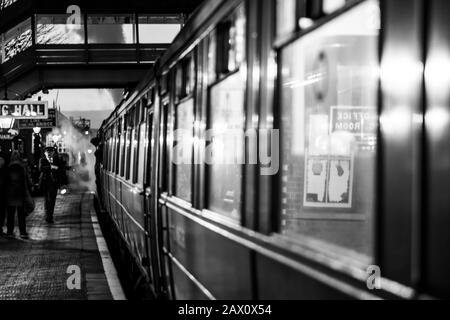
(258, 168)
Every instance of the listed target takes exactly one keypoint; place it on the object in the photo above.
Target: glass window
(212, 57)
(54, 29)
(15, 40)
(225, 153)
(123, 143)
(329, 132)
(231, 42)
(286, 16)
(158, 29)
(148, 149)
(237, 39)
(130, 143)
(136, 135)
(183, 149)
(117, 147)
(6, 3)
(111, 29)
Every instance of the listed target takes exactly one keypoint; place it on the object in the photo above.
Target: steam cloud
(79, 156)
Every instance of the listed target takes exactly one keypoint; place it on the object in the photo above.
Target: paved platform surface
(37, 269)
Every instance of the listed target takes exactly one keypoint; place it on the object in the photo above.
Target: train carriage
(288, 149)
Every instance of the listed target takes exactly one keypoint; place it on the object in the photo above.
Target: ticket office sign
(358, 121)
(24, 109)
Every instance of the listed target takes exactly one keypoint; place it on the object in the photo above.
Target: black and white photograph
(253, 151)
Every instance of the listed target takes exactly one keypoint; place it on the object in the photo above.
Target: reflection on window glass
(183, 151)
(212, 57)
(111, 29)
(225, 154)
(15, 41)
(286, 16)
(54, 29)
(237, 39)
(153, 29)
(6, 3)
(329, 126)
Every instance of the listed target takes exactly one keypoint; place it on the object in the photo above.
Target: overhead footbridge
(49, 44)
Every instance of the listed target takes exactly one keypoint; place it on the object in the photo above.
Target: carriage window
(230, 48)
(148, 149)
(212, 57)
(286, 17)
(117, 147)
(225, 153)
(183, 150)
(129, 141)
(329, 131)
(299, 14)
(136, 135)
(162, 142)
(123, 144)
(185, 78)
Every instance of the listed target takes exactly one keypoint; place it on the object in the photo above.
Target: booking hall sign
(22, 110)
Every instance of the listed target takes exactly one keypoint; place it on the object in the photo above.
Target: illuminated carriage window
(183, 150)
(137, 142)
(15, 41)
(226, 120)
(55, 29)
(293, 15)
(227, 45)
(111, 28)
(212, 57)
(329, 133)
(158, 29)
(148, 149)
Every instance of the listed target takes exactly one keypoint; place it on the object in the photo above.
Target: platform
(38, 268)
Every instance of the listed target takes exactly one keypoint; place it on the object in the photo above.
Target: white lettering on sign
(355, 120)
(24, 109)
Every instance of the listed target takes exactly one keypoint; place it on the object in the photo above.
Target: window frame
(221, 74)
(182, 95)
(278, 45)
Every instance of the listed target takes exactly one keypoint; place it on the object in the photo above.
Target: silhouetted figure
(2, 192)
(50, 180)
(17, 194)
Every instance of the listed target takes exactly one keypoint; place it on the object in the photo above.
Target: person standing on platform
(2, 192)
(50, 180)
(18, 198)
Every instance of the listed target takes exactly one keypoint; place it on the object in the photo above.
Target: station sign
(40, 123)
(24, 109)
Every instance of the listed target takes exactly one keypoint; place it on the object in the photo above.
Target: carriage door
(166, 284)
(148, 195)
